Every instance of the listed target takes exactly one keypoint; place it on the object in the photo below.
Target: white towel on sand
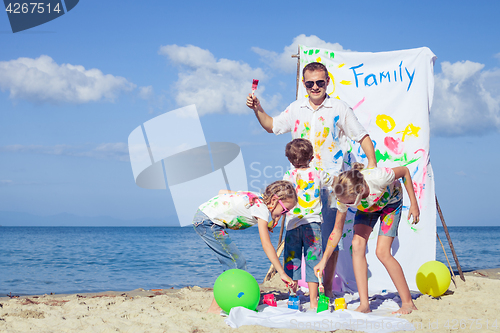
(380, 320)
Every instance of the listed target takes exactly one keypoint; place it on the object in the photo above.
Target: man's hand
(264, 119)
(252, 102)
(367, 146)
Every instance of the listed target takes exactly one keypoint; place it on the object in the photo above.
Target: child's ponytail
(349, 183)
(357, 166)
(282, 189)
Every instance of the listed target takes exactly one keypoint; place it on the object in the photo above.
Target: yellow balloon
(433, 278)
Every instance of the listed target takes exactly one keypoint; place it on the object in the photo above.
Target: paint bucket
(323, 303)
(294, 302)
(270, 300)
(339, 304)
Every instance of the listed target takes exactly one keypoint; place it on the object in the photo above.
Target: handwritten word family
(396, 75)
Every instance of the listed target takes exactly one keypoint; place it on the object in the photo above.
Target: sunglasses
(285, 210)
(319, 83)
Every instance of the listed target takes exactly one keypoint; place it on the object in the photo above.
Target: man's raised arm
(265, 120)
(355, 130)
(367, 146)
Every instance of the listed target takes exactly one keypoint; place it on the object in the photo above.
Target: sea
(59, 260)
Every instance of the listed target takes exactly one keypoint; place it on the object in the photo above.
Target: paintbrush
(321, 287)
(254, 86)
(323, 301)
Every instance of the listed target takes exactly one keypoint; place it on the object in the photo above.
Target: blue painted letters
(384, 76)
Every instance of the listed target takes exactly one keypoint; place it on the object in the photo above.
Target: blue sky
(106, 67)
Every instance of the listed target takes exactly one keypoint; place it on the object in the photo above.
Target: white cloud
(5, 182)
(213, 85)
(115, 151)
(42, 80)
(284, 61)
(146, 92)
(497, 55)
(466, 99)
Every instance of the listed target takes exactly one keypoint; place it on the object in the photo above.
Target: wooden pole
(281, 230)
(446, 256)
(272, 271)
(298, 71)
(449, 240)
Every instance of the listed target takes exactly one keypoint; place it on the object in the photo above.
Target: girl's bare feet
(406, 308)
(214, 307)
(364, 308)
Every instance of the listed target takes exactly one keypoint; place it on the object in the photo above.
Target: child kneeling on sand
(240, 210)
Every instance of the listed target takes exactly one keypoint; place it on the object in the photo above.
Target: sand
(471, 306)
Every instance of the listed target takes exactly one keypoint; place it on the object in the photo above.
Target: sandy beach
(470, 306)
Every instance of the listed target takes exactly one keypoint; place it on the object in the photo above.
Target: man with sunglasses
(327, 123)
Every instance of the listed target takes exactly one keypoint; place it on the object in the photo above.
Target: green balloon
(236, 287)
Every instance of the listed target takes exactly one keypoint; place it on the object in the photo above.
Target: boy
(303, 225)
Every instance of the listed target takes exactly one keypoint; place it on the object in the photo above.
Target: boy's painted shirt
(235, 211)
(308, 184)
(384, 190)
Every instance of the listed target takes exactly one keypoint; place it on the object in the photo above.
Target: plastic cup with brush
(323, 301)
(293, 300)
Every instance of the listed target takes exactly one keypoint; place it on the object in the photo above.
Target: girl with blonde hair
(241, 210)
(376, 193)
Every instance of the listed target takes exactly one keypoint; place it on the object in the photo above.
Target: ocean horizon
(62, 259)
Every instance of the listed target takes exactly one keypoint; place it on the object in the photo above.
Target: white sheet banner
(391, 94)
